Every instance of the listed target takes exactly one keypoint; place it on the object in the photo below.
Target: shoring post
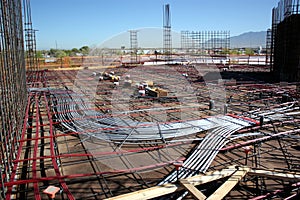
(178, 165)
(247, 149)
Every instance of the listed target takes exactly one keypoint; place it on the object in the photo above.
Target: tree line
(59, 53)
(84, 51)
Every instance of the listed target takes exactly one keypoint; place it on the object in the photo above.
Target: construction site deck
(199, 121)
(61, 147)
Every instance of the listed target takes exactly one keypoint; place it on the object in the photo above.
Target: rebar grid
(206, 42)
(284, 9)
(12, 85)
(32, 64)
(67, 152)
(283, 42)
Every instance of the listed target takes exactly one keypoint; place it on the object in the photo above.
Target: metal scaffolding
(12, 85)
(167, 37)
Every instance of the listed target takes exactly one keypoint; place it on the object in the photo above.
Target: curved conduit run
(116, 129)
(124, 130)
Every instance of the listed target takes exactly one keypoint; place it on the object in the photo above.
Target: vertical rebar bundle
(133, 45)
(284, 9)
(285, 45)
(205, 42)
(167, 38)
(30, 41)
(269, 49)
(12, 85)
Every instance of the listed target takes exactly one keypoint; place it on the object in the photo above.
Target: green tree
(249, 51)
(234, 52)
(39, 54)
(74, 51)
(84, 50)
(60, 54)
(52, 52)
(225, 51)
(68, 52)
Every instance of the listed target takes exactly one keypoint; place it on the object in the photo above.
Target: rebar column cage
(167, 37)
(12, 85)
(269, 49)
(284, 59)
(30, 41)
(133, 46)
(205, 42)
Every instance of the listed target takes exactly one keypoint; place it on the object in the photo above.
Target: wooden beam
(211, 176)
(148, 193)
(193, 190)
(161, 190)
(283, 175)
(226, 187)
(221, 192)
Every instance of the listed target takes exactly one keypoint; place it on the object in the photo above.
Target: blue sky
(75, 23)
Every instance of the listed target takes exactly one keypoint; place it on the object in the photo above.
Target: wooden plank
(212, 176)
(148, 193)
(170, 188)
(193, 190)
(226, 187)
(283, 175)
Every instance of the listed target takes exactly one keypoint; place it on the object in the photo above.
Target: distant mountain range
(153, 38)
(249, 39)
